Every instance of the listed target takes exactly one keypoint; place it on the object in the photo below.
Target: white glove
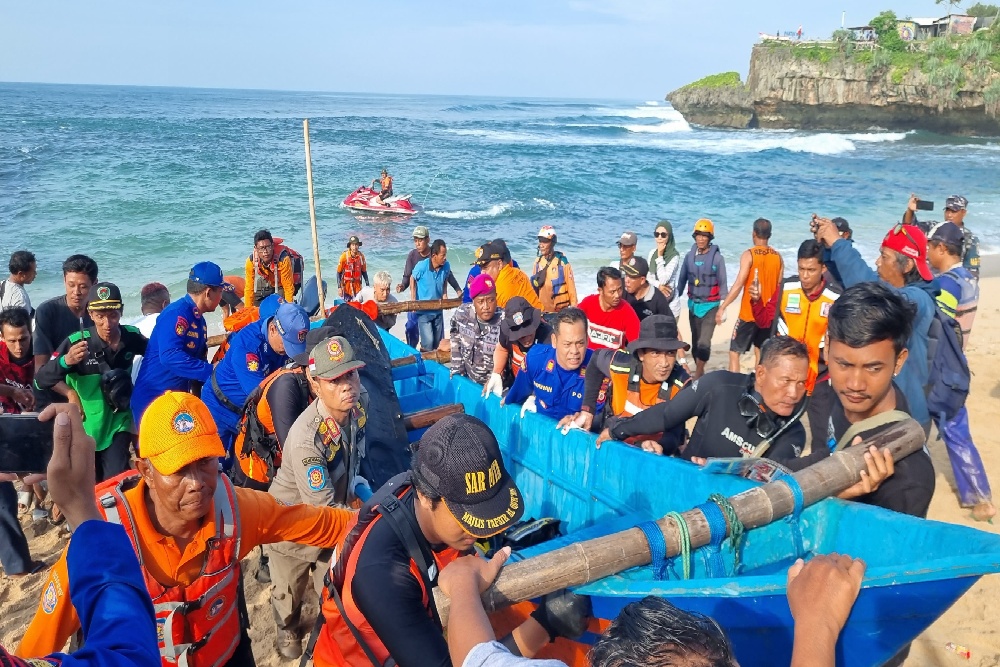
(529, 406)
(577, 423)
(494, 385)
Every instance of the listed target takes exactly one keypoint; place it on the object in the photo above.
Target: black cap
(520, 318)
(488, 252)
(635, 267)
(658, 332)
(313, 338)
(948, 233)
(104, 296)
(459, 457)
(842, 225)
(501, 245)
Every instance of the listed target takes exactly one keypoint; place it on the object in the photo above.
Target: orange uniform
(260, 281)
(804, 317)
(513, 282)
(171, 563)
(350, 270)
(765, 263)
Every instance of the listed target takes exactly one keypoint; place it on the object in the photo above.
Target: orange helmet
(704, 226)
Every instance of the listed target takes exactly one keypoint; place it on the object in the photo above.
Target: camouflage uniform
(472, 343)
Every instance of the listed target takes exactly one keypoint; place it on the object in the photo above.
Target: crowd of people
(201, 462)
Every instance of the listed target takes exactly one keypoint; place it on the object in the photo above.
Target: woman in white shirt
(665, 265)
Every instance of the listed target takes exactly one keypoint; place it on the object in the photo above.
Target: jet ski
(365, 200)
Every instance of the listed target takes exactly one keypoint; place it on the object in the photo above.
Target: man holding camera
(93, 370)
(955, 208)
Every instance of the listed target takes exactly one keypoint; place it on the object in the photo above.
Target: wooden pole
(413, 306)
(312, 218)
(440, 356)
(424, 418)
(587, 561)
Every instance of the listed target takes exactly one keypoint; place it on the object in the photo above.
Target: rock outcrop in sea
(825, 87)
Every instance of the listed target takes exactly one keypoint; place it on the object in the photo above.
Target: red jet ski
(365, 200)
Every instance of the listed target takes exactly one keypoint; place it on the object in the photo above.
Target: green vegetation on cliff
(723, 80)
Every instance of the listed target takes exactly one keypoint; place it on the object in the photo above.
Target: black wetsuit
(721, 431)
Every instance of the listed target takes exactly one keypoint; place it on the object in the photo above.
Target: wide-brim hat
(658, 332)
(520, 319)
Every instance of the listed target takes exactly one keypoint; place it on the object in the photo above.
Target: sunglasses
(757, 416)
(900, 229)
(661, 235)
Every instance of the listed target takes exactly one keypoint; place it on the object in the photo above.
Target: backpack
(949, 378)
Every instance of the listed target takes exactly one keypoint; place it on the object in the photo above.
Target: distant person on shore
(611, 322)
(703, 275)
(429, 281)
(154, 297)
(955, 208)
(421, 250)
(475, 330)
(176, 357)
(385, 186)
(351, 269)
(762, 267)
(552, 276)
(902, 265)
(627, 243)
(268, 269)
(495, 261)
(665, 265)
(959, 298)
(645, 299)
(23, 270)
(381, 293)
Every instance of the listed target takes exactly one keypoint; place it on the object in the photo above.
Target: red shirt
(13, 374)
(610, 330)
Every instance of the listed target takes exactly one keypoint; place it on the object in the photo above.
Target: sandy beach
(965, 623)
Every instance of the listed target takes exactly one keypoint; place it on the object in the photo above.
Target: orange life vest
(517, 356)
(351, 275)
(386, 182)
(765, 263)
(337, 644)
(234, 323)
(258, 451)
(806, 322)
(627, 390)
(267, 278)
(196, 625)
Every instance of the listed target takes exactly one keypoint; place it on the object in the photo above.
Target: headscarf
(670, 251)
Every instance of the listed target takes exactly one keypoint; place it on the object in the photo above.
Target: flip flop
(39, 514)
(24, 501)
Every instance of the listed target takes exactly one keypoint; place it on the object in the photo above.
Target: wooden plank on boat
(440, 356)
(424, 418)
(414, 306)
(590, 560)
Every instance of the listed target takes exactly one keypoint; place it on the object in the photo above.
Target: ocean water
(150, 180)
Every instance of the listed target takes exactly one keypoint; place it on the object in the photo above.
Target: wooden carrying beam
(414, 306)
(440, 356)
(424, 418)
(587, 561)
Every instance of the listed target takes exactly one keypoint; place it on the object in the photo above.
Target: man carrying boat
(176, 357)
(379, 605)
(521, 327)
(322, 459)
(475, 329)
(552, 380)
(254, 353)
(646, 375)
(190, 527)
(738, 415)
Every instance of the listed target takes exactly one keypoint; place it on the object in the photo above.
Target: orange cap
(176, 430)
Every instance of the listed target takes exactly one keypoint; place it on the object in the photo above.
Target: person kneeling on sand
(192, 528)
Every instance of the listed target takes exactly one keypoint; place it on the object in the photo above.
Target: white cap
(547, 232)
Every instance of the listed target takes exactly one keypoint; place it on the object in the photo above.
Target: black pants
(243, 657)
(702, 329)
(14, 555)
(116, 459)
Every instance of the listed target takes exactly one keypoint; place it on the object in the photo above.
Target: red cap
(908, 240)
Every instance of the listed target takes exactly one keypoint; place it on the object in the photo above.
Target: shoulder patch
(550, 365)
(253, 362)
(180, 326)
(316, 477)
(50, 598)
(313, 461)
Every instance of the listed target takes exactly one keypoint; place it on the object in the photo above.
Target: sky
(613, 49)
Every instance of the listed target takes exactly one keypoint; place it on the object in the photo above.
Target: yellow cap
(704, 226)
(176, 430)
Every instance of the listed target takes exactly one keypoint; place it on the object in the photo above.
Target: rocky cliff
(823, 88)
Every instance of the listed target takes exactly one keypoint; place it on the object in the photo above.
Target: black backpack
(949, 378)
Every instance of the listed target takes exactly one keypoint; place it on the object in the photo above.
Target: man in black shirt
(868, 329)
(738, 415)
(645, 299)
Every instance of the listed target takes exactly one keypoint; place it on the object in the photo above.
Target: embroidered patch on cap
(302, 335)
(518, 319)
(183, 422)
(335, 350)
(103, 293)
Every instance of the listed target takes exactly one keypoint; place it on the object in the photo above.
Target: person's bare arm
(745, 262)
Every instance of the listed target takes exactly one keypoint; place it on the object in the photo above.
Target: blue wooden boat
(916, 568)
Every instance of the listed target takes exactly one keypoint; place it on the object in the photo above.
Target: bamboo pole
(587, 561)
(440, 356)
(412, 306)
(312, 219)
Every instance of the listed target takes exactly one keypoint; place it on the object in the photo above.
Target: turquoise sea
(150, 180)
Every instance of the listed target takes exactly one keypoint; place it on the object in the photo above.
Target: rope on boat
(792, 519)
(736, 529)
(722, 520)
(685, 542)
(657, 548)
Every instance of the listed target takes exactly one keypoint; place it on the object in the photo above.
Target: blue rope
(736, 529)
(717, 533)
(657, 548)
(798, 503)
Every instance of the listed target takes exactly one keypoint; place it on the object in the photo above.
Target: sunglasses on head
(661, 235)
(900, 229)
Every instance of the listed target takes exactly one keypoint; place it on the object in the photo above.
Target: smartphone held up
(25, 443)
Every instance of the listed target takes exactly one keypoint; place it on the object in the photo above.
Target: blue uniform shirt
(558, 392)
(248, 361)
(175, 355)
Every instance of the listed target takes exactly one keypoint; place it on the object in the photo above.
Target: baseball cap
(908, 240)
(207, 273)
(628, 238)
(520, 318)
(481, 284)
(313, 339)
(421, 232)
(333, 357)
(547, 232)
(504, 250)
(176, 430)
(948, 233)
(842, 225)
(487, 253)
(293, 325)
(459, 457)
(354, 239)
(658, 332)
(956, 203)
(104, 296)
(636, 267)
